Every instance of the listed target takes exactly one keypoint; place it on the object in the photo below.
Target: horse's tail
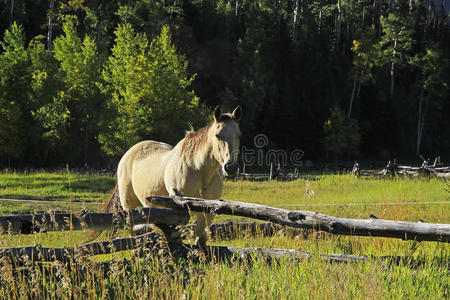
(112, 206)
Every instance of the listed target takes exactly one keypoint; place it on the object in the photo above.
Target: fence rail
(311, 220)
(32, 223)
(392, 169)
(177, 213)
(152, 241)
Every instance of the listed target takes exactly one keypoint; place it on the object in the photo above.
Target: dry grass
(426, 276)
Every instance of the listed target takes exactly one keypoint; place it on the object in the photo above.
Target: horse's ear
(217, 113)
(237, 113)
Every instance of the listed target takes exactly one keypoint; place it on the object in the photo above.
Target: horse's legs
(204, 221)
(128, 197)
(202, 227)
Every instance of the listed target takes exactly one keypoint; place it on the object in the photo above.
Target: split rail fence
(177, 213)
(391, 169)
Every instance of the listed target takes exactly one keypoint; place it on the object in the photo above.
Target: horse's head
(226, 139)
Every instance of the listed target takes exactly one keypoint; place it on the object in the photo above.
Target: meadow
(424, 274)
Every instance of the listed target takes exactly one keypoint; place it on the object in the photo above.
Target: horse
(195, 167)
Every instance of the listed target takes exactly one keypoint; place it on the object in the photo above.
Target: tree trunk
(359, 89)
(50, 26)
(351, 99)
(86, 146)
(363, 16)
(419, 123)
(392, 77)
(11, 16)
(99, 23)
(393, 67)
(47, 149)
(338, 25)
(320, 20)
(295, 22)
(422, 123)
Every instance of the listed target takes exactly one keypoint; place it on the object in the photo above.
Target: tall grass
(424, 275)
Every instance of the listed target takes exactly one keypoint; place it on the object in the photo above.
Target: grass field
(425, 276)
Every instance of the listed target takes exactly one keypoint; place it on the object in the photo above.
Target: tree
(365, 58)
(15, 77)
(341, 134)
(396, 42)
(76, 105)
(433, 68)
(148, 86)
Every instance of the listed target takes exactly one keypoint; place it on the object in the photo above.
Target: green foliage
(79, 99)
(397, 39)
(341, 134)
(47, 87)
(434, 67)
(285, 71)
(366, 56)
(149, 88)
(396, 42)
(14, 91)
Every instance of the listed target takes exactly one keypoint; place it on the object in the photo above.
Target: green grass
(425, 276)
(63, 186)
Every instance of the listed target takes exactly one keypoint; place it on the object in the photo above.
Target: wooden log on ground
(312, 220)
(151, 240)
(223, 253)
(442, 174)
(229, 229)
(32, 223)
(39, 253)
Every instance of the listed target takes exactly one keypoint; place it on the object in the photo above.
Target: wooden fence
(393, 169)
(177, 213)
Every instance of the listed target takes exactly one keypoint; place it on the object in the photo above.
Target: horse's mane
(195, 140)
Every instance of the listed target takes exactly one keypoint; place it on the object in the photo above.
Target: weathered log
(152, 240)
(39, 253)
(223, 253)
(312, 220)
(230, 229)
(31, 223)
(442, 174)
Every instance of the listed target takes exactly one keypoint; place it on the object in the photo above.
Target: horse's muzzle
(231, 168)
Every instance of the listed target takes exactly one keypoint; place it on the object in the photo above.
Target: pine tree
(149, 91)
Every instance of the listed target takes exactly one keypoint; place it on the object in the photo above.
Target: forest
(83, 80)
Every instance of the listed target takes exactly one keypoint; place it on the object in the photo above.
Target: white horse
(195, 167)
